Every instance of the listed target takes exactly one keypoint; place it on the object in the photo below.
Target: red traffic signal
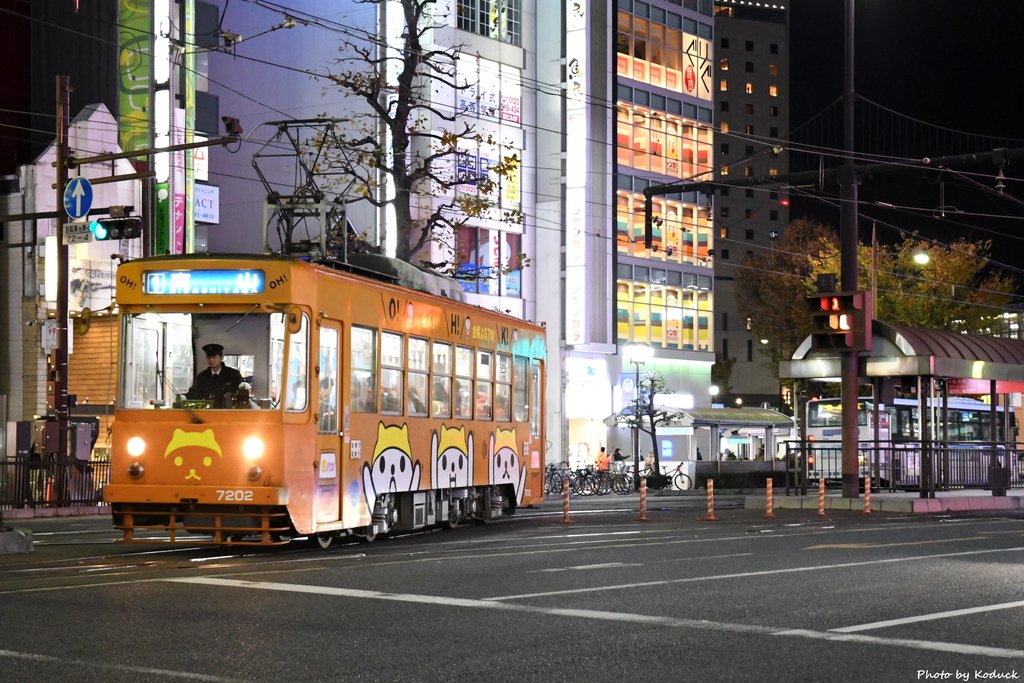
(840, 321)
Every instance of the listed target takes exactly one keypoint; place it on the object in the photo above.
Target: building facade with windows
(637, 112)
(751, 87)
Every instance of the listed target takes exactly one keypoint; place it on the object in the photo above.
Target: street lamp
(637, 354)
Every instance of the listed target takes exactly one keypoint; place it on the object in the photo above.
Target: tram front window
(162, 353)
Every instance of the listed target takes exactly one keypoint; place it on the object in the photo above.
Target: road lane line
(746, 575)
(928, 617)
(603, 615)
(72, 664)
(582, 567)
(859, 546)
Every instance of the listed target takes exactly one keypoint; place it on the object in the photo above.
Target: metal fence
(50, 481)
(904, 466)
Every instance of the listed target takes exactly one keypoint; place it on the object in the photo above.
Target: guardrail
(50, 481)
(903, 466)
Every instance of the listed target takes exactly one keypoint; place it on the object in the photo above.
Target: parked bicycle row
(589, 481)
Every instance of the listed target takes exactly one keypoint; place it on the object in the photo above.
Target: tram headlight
(253, 448)
(136, 446)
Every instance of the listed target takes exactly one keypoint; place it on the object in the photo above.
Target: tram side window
(503, 388)
(391, 364)
(417, 365)
(298, 370)
(363, 393)
(464, 382)
(484, 374)
(441, 380)
(520, 384)
(535, 398)
(328, 408)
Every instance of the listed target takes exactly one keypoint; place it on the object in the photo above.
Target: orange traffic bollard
(769, 509)
(49, 491)
(821, 497)
(711, 501)
(643, 499)
(867, 495)
(565, 502)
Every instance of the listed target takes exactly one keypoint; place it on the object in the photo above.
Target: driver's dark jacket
(212, 387)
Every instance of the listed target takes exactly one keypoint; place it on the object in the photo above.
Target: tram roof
(903, 351)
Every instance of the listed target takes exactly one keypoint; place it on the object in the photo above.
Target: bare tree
(404, 150)
(645, 416)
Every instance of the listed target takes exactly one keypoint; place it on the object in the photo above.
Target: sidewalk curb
(881, 504)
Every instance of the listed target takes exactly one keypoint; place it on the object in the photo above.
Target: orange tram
(365, 407)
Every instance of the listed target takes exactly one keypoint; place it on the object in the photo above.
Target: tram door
(327, 501)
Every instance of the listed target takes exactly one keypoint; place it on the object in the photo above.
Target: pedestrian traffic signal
(840, 321)
(119, 226)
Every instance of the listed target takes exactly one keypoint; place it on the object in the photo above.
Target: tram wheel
(454, 515)
(323, 540)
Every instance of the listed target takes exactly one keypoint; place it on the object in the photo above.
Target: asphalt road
(676, 598)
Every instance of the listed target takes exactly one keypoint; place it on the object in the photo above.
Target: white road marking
(671, 622)
(745, 575)
(583, 567)
(74, 664)
(928, 617)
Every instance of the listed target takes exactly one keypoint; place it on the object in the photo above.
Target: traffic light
(121, 225)
(840, 321)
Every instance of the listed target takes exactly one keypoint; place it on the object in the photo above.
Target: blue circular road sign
(78, 197)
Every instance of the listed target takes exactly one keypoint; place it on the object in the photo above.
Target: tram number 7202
(236, 495)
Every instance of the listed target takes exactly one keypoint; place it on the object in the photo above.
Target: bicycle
(681, 481)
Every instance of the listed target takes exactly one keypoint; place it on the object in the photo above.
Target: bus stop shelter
(931, 364)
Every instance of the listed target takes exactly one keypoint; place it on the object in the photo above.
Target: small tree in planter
(646, 416)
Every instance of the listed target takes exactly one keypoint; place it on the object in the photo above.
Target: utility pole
(60, 394)
(849, 374)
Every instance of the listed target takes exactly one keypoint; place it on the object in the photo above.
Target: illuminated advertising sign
(170, 282)
(577, 133)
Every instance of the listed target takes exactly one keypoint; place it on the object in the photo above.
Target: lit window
(723, 85)
(773, 91)
(723, 127)
(773, 171)
(723, 64)
(773, 69)
(748, 88)
(748, 171)
(724, 171)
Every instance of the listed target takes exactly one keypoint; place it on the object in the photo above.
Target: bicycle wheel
(682, 482)
(623, 484)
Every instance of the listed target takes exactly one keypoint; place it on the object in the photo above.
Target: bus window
(441, 383)
(297, 381)
(328, 407)
(363, 393)
(521, 382)
(417, 366)
(464, 383)
(483, 385)
(391, 373)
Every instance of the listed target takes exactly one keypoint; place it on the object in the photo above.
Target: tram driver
(218, 383)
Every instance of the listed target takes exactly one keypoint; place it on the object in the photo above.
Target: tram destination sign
(177, 282)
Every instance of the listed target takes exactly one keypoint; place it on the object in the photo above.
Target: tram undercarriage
(207, 524)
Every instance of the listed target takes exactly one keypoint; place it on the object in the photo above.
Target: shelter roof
(903, 351)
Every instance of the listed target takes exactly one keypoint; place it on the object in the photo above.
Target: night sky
(947, 62)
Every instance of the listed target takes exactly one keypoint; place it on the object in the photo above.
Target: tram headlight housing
(136, 446)
(135, 470)
(252, 448)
